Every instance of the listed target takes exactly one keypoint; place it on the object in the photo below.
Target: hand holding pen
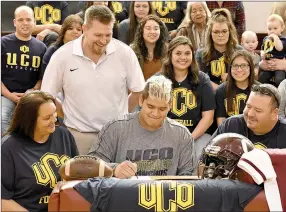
(127, 158)
(126, 169)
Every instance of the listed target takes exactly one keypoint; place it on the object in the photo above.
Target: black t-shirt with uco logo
(239, 101)
(21, 62)
(49, 12)
(170, 12)
(30, 169)
(187, 105)
(166, 195)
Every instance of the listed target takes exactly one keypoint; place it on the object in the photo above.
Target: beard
(97, 49)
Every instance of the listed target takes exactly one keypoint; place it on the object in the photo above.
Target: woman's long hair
(68, 22)
(161, 43)
(188, 18)
(133, 21)
(230, 83)
(25, 115)
(220, 16)
(193, 70)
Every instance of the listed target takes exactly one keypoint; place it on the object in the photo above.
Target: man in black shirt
(259, 122)
(21, 56)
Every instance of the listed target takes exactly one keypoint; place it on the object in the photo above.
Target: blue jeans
(7, 111)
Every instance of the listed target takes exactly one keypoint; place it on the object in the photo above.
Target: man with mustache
(21, 58)
(260, 121)
(95, 73)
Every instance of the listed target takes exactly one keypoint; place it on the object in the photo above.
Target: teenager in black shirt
(221, 43)
(231, 96)
(32, 156)
(259, 122)
(193, 99)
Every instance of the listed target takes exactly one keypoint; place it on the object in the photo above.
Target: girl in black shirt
(231, 96)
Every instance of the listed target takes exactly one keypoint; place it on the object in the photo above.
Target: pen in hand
(127, 158)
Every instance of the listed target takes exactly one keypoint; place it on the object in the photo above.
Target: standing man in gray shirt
(147, 142)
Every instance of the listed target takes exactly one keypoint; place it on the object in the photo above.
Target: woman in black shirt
(33, 154)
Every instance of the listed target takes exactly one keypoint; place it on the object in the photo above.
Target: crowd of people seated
(143, 85)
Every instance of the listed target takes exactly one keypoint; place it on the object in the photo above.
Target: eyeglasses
(265, 89)
(242, 66)
(223, 32)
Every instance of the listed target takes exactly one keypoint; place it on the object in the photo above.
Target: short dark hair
(268, 90)
(25, 115)
(100, 13)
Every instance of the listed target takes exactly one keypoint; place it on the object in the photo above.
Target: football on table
(83, 167)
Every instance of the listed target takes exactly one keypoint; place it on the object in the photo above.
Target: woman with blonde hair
(221, 43)
(195, 23)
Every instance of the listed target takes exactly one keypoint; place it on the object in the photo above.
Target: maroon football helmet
(220, 158)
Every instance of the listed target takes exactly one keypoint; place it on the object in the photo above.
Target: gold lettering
(117, 6)
(160, 197)
(56, 161)
(36, 61)
(12, 59)
(218, 67)
(56, 15)
(168, 20)
(42, 13)
(151, 195)
(43, 171)
(238, 102)
(190, 101)
(187, 123)
(38, 13)
(41, 174)
(147, 195)
(172, 5)
(44, 199)
(163, 11)
(185, 196)
(47, 9)
(268, 45)
(22, 61)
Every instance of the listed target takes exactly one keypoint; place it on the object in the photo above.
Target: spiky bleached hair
(158, 87)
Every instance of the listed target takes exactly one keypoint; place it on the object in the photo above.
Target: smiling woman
(137, 11)
(195, 23)
(31, 156)
(71, 30)
(150, 44)
(193, 100)
(221, 42)
(231, 96)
